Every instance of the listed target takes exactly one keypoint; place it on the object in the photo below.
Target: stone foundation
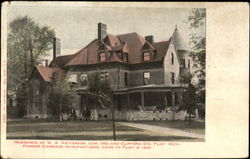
(38, 116)
(105, 114)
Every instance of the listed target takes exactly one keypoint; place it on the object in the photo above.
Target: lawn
(84, 130)
(196, 127)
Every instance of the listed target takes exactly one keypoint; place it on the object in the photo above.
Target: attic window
(146, 56)
(102, 57)
(172, 58)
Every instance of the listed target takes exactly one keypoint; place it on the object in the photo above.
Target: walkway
(177, 132)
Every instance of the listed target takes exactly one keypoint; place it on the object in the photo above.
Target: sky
(76, 26)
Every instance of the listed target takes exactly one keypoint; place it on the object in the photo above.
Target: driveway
(163, 130)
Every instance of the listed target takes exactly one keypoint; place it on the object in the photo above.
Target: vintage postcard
(124, 80)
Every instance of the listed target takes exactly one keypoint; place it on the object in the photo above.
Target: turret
(183, 50)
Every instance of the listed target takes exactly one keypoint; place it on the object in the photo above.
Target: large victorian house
(144, 74)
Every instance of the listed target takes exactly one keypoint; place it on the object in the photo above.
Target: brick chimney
(56, 47)
(150, 39)
(102, 31)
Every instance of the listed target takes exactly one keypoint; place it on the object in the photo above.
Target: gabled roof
(131, 43)
(113, 40)
(161, 48)
(135, 43)
(114, 58)
(87, 55)
(149, 45)
(46, 72)
(60, 61)
(125, 48)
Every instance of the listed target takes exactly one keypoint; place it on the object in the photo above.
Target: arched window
(172, 58)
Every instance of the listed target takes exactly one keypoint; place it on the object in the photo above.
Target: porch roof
(150, 88)
(144, 88)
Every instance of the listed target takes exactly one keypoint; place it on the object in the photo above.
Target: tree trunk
(113, 122)
(60, 109)
(189, 120)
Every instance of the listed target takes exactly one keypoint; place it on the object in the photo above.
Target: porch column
(128, 101)
(142, 99)
(180, 97)
(173, 98)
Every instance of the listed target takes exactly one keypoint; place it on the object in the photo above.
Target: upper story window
(188, 63)
(119, 54)
(102, 56)
(104, 75)
(182, 62)
(72, 78)
(84, 79)
(126, 79)
(125, 57)
(146, 56)
(172, 77)
(146, 78)
(172, 58)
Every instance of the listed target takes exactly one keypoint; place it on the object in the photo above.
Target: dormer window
(146, 56)
(125, 57)
(102, 56)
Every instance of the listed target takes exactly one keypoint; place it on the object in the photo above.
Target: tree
(27, 42)
(188, 100)
(100, 90)
(60, 92)
(197, 21)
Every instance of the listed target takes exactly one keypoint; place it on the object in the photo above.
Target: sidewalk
(163, 130)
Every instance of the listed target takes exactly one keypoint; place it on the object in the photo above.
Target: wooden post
(142, 99)
(128, 100)
(173, 99)
(113, 122)
(173, 104)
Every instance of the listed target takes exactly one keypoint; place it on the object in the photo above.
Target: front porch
(139, 103)
(148, 98)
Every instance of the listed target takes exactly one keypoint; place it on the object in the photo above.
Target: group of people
(72, 115)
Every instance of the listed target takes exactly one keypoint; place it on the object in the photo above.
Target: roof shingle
(130, 43)
(46, 72)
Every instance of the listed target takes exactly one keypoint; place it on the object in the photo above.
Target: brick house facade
(144, 74)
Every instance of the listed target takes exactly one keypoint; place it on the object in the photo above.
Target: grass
(196, 127)
(119, 138)
(84, 130)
